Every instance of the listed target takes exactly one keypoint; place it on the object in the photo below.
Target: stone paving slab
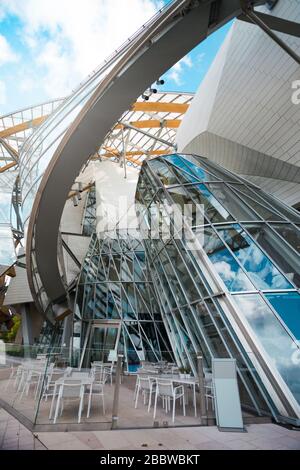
(14, 436)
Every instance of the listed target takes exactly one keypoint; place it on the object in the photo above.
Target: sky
(48, 47)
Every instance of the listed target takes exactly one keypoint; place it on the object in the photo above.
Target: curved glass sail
(248, 244)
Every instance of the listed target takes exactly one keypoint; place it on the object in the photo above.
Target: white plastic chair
(68, 371)
(49, 383)
(167, 392)
(33, 376)
(147, 387)
(70, 390)
(15, 375)
(99, 378)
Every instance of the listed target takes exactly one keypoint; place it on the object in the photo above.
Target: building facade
(230, 286)
(243, 115)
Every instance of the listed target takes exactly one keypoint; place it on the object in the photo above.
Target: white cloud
(6, 52)
(177, 70)
(67, 39)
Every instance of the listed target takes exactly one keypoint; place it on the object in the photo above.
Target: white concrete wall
(114, 194)
(252, 107)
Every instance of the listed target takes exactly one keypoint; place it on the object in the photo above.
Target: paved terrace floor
(14, 436)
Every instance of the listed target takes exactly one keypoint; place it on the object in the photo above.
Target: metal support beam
(125, 143)
(115, 412)
(7, 167)
(12, 152)
(154, 137)
(153, 124)
(70, 253)
(203, 411)
(26, 325)
(277, 24)
(23, 127)
(254, 18)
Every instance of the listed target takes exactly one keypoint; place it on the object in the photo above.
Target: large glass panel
(182, 273)
(7, 247)
(163, 171)
(290, 234)
(287, 304)
(224, 263)
(277, 250)
(193, 268)
(260, 269)
(188, 170)
(202, 200)
(189, 208)
(214, 168)
(259, 205)
(283, 209)
(214, 340)
(274, 339)
(231, 202)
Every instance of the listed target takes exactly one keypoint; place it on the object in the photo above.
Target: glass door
(102, 342)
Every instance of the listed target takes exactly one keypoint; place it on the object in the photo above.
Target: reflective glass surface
(189, 170)
(257, 263)
(279, 346)
(287, 305)
(258, 266)
(277, 249)
(224, 263)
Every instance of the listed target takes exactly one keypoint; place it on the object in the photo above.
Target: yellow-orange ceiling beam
(113, 152)
(23, 126)
(7, 167)
(9, 148)
(153, 123)
(160, 107)
(129, 159)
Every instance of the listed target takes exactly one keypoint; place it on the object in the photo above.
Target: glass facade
(247, 243)
(89, 219)
(115, 285)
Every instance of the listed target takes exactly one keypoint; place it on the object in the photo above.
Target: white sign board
(112, 355)
(227, 397)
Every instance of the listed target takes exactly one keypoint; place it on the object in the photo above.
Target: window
(277, 250)
(287, 305)
(262, 272)
(275, 340)
(225, 264)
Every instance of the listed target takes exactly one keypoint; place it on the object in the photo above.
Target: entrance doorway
(101, 342)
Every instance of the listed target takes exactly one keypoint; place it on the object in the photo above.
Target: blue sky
(47, 48)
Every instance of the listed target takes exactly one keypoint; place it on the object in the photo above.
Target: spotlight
(75, 201)
(145, 97)
(160, 82)
(153, 90)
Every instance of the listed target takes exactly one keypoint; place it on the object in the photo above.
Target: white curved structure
(59, 149)
(243, 116)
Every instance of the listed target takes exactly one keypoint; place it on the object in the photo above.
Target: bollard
(114, 424)
(203, 411)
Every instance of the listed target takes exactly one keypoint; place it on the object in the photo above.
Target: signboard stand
(227, 398)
